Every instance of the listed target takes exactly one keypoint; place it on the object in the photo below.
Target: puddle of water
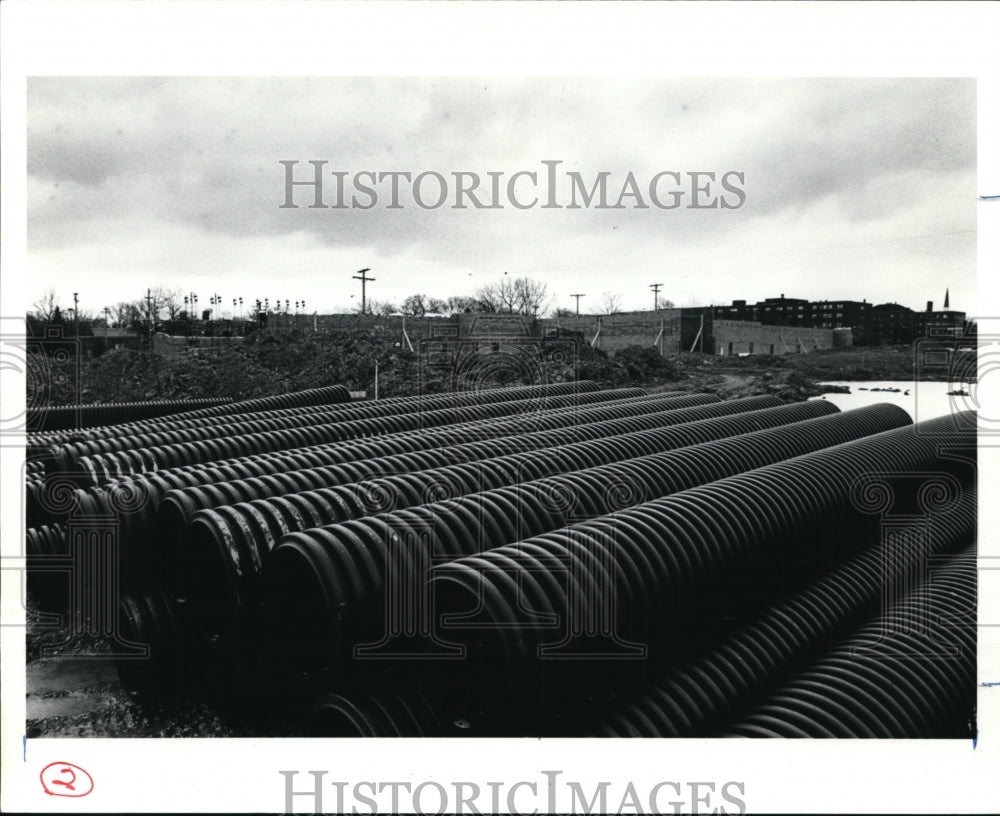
(922, 400)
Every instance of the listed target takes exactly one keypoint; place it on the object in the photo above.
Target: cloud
(141, 170)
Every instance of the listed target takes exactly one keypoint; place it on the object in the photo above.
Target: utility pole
(191, 301)
(107, 325)
(149, 311)
(76, 324)
(364, 280)
(656, 292)
(578, 301)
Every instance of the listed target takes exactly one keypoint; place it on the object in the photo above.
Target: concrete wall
(416, 327)
(746, 337)
(625, 329)
(673, 331)
(101, 342)
(496, 325)
(616, 331)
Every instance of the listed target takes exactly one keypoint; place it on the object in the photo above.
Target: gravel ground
(73, 691)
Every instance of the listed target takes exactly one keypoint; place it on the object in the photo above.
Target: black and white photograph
(589, 438)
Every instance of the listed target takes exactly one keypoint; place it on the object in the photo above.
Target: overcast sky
(854, 189)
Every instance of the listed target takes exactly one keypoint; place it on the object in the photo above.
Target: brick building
(941, 323)
(842, 314)
(782, 311)
(739, 310)
(892, 324)
(865, 323)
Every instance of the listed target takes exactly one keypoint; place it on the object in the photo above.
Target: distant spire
(946, 298)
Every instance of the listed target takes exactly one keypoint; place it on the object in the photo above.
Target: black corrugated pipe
(63, 417)
(64, 457)
(662, 578)
(908, 673)
(696, 699)
(366, 559)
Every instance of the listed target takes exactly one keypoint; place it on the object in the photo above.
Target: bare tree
(415, 305)
(383, 308)
(126, 316)
(531, 296)
(45, 307)
(508, 294)
(169, 300)
(611, 302)
(488, 299)
(460, 303)
(525, 296)
(149, 308)
(437, 306)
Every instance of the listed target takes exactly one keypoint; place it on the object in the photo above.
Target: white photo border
(530, 39)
